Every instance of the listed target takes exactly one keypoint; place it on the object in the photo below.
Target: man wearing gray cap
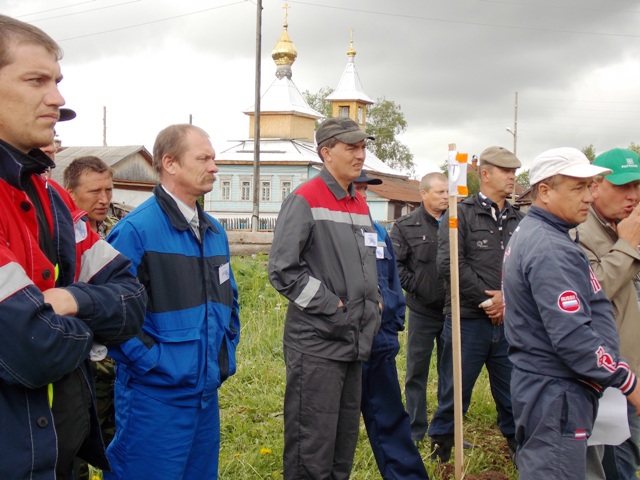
(323, 260)
(560, 326)
(486, 221)
(610, 237)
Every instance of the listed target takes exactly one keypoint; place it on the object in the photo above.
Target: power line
(152, 21)
(464, 22)
(559, 7)
(54, 9)
(86, 11)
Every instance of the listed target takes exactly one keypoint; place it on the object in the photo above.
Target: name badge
(223, 273)
(379, 252)
(370, 239)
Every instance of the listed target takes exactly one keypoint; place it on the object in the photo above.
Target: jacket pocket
(177, 336)
(336, 326)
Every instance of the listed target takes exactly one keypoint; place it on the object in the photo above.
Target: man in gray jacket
(323, 260)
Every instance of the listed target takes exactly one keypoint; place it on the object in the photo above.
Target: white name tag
(379, 252)
(223, 272)
(370, 239)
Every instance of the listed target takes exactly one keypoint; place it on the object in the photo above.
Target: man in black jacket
(486, 221)
(415, 243)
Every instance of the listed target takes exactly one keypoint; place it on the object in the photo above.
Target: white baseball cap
(567, 161)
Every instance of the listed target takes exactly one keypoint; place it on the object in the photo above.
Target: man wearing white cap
(559, 324)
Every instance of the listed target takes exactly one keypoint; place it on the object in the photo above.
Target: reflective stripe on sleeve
(13, 278)
(313, 285)
(95, 259)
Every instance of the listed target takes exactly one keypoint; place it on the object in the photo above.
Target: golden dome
(284, 53)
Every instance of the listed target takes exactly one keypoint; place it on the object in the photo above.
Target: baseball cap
(500, 157)
(368, 180)
(344, 129)
(567, 161)
(66, 114)
(624, 165)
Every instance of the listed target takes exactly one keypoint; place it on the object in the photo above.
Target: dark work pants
(424, 332)
(554, 416)
(386, 420)
(321, 416)
(483, 344)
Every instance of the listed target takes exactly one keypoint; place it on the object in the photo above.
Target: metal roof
(283, 96)
(282, 150)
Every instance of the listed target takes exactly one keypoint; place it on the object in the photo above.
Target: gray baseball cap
(344, 129)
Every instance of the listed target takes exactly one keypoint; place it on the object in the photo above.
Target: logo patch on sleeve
(568, 301)
(605, 360)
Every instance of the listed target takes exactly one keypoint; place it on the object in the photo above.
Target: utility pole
(255, 217)
(514, 132)
(515, 125)
(104, 126)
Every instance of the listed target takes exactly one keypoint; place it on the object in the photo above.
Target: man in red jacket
(62, 288)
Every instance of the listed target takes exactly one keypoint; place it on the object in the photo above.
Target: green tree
(318, 101)
(590, 152)
(523, 179)
(385, 121)
(635, 147)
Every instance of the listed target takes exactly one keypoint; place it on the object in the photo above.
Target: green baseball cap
(624, 165)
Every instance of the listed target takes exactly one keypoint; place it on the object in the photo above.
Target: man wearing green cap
(610, 237)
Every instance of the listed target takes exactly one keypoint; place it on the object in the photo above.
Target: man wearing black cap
(486, 221)
(385, 418)
(323, 260)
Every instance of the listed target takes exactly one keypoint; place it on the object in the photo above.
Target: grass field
(251, 401)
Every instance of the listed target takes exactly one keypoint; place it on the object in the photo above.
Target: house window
(265, 191)
(360, 115)
(245, 190)
(285, 188)
(225, 190)
(343, 111)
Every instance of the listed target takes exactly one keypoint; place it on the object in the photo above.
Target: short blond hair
(427, 180)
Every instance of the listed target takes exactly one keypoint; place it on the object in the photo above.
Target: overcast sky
(452, 65)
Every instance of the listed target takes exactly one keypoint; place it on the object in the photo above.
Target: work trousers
(554, 417)
(163, 442)
(321, 416)
(482, 344)
(424, 332)
(386, 420)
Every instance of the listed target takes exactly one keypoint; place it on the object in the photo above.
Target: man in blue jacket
(560, 326)
(167, 379)
(384, 415)
(61, 286)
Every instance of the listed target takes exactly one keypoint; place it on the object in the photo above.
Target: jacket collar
(334, 186)
(427, 216)
(15, 165)
(170, 208)
(551, 219)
